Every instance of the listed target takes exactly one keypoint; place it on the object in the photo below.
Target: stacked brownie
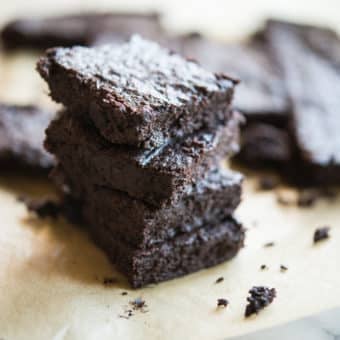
(139, 144)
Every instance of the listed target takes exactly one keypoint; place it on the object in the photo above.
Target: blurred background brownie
(312, 81)
(78, 29)
(22, 132)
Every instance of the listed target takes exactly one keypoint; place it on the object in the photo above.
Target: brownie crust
(137, 93)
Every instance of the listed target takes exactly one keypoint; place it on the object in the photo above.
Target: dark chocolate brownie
(312, 82)
(181, 255)
(265, 145)
(22, 131)
(261, 94)
(157, 176)
(207, 201)
(78, 29)
(137, 93)
(322, 40)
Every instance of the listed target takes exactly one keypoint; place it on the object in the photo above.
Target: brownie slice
(207, 201)
(312, 81)
(22, 131)
(261, 94)
(182, 254)
(157, 176)
(265, 145)
(137, 93)
(78, 29)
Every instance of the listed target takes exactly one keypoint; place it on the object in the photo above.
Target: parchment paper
(51, 274)
(51, 277)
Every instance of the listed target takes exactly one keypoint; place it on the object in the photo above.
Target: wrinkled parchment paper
(51, 274)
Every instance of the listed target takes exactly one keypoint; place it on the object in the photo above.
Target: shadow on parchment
(64, 249)
(30, 184)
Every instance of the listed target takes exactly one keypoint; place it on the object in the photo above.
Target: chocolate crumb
(283, 268)
(128, 314)
(138, 303)
(321, 234)
(269, 244)
(307, 198)
(124, 293)
(263, 267)
(260, 297)
(268, 183)
(108, 281)
(219, 280)
(222, 303)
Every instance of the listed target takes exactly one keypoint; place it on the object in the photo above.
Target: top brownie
(137, 93)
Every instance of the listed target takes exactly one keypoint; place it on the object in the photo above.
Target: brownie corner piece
(137, 93)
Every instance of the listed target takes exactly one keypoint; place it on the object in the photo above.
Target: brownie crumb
(263, 267)
(283, 268)
(219, 280)
(321, 234)
(222, 303)
(268, 183)
(138, 304)
(260, 297)
(124, 293)
(108, 281)
(42, 207)
(128, 314)
(307, 198)
(269, 244)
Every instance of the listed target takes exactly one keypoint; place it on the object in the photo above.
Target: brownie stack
(139, 143)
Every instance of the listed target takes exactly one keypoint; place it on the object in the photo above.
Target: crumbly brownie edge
(185, 254)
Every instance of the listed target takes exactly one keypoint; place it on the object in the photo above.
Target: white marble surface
(324, 326)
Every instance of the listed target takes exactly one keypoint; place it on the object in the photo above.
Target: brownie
(207, 201)
(182, 254)
(78, 29)
(137, 93)
(22, 131)
(265, 145)
(315, 119)
(157, 176)
(261, 94)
